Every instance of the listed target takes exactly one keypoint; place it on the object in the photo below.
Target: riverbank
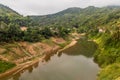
(38, 58)
(20, 67)
(107, 56)
(72, 43)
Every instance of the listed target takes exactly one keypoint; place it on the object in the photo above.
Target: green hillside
(100, 24)
(79, 17)
(6, 11)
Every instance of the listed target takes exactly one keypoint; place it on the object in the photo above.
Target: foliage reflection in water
(74, 63)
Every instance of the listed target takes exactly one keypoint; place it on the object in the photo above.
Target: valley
(25, 38)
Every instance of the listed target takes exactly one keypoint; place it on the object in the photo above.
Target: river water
(74, 63)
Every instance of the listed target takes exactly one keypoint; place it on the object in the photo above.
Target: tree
(14, 32)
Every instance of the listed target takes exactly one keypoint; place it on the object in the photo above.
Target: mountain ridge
(6, 11)
(70, 9)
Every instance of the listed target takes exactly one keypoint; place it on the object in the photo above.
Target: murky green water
(75, 63)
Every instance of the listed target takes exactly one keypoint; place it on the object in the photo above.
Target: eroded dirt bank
(25, 54)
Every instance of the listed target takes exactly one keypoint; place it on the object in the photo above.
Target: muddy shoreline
(25, 65)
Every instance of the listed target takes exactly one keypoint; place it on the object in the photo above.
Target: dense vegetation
(11, 23)
(109, 50)
(12, 32)
(108, 55)
(100, 24)
(86, 19)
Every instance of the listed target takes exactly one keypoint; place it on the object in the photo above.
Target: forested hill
(77, 17)
(9, 16)
(6, 11)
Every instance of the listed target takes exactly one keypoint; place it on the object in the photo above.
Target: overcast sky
(43, 7)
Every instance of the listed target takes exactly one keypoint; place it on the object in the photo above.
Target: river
(74, 63)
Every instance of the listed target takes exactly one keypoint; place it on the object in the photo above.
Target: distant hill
(86, 18)
(90, 16)
(48, 19)
(6, 11)
(9, 16)
(113, 6)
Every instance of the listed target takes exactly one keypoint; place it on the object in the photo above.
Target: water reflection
(60, 54)
(36, 65)
(12, 77)
(49, 55)
(83, 47)
(74, 63)
(16, 77)
(30, 69)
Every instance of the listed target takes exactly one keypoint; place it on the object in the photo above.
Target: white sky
(43, 7)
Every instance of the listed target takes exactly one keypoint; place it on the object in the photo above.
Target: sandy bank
(69, 45)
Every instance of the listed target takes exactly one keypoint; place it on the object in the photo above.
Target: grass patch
(111, 72)
(49, 42)
(4, 66)
(64, 44)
